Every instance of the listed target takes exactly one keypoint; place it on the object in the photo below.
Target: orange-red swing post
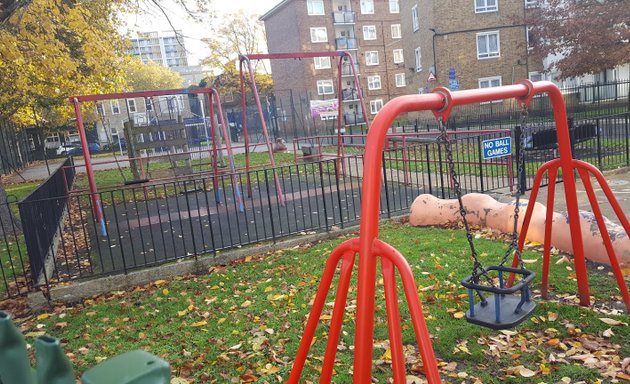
(369, 247)
(569, 167)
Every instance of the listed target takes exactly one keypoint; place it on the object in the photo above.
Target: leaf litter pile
(242, 323)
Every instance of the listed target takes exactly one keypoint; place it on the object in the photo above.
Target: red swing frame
(441, 101)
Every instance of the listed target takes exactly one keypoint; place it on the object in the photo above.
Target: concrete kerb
(80, 290)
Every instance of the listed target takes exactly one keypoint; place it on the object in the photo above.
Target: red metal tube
(96, 202)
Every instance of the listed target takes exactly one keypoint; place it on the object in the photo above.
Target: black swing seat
(503, 309)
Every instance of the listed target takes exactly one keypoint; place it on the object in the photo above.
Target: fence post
(321, 181)
(441, 171)
(627, 120)
(426, 147)
(480, 162)
(273, 231)
(338, 195)
(389, 213)
(599, 144)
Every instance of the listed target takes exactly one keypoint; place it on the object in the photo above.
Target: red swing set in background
(245, 64)
(368, 247)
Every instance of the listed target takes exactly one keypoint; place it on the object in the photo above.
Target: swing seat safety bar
(502, 289)
(503, 309)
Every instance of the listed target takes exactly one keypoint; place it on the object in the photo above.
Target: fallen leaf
(526, 372)
(199, 323)
(612, 321)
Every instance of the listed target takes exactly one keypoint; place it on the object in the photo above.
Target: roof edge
(273, 10)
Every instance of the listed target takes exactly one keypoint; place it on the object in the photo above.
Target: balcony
(350, 94)
(346, 69)
(354, 118)
(344, 17)
(345, 43)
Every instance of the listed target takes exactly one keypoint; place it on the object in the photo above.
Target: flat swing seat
(504, 308)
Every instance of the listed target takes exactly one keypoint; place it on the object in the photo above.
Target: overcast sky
(193, 32)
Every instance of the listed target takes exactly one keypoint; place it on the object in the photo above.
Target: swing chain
(443, 138)
(519, 192)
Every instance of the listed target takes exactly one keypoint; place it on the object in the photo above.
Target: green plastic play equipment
(53, 367)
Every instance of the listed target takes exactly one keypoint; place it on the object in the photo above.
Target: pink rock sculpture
(485, 211)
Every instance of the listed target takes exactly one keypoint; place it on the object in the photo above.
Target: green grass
(248, 318)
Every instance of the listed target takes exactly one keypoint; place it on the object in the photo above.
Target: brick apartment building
(369, 29)
(465, 44)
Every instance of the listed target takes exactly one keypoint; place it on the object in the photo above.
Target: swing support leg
(390, 261)
(585, 170)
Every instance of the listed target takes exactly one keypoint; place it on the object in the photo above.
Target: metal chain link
(444, 139)
(519, 169)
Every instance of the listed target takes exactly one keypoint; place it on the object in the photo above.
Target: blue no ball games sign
(494, 148)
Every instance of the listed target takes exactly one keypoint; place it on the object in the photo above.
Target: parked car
(201, 140)
(115, 145)
(64, 149)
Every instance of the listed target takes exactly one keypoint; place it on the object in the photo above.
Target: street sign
(453, 84)
(495, 148)
(431, 77)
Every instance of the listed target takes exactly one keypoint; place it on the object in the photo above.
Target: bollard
(53, 366)
(15, 367)
(135, 367)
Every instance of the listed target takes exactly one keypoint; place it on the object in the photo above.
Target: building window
(371, 58)
(400, 80)
(369, 32)
(322, 62)
(374, 82)
(531, 3)
(315, 7)
(396, 34)
(398, 56)
(148, 104)
(325, 87)
(531, 38)
(319, 35)
(536, 76)
(131, 105)
(489, 82)
(488, 45)
(418, 55)
(376, 105)
(100, 110)
(482, 6)
(115, 107)
(394, 7)
(367, 7)
(414, 18)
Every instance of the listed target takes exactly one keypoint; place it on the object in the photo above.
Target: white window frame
(415, 22)
(315, 31)
(400, 80)
(367, 7)
(396, 31)
(369, 32)
(374, 82)
(371, 55)
(418, 57)
(394, 6)
(115, 104)
(532, 3)
(148, 104)
(376, 106)
(131, 104)
(486, 8)
(325, 87)
(315, 7)
(322, 62)
(398, 56)
(536, 73)
(488, 54)
(489, 80)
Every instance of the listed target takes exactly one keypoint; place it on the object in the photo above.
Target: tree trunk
(7, 220)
